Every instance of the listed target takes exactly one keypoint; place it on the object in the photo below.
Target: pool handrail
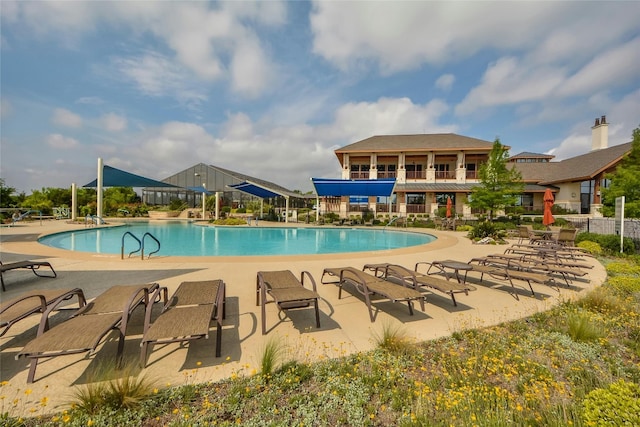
(122, 245)
(154, 238)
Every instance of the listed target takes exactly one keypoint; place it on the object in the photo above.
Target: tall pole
(74, 202)
(217, 205)
(99, 189)
(204, 200)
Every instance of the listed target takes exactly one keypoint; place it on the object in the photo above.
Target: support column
(286, 209)
(74, 201)
(99, 189)
(217, 205)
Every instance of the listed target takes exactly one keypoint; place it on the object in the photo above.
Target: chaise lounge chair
(30, 265)
(83, 332)
(418, 280)
(510, 270)
(286, 291)
(369, 285)
(186, 316)
(35, 302)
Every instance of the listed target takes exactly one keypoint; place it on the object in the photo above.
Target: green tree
(499, 186)
(625, 181)
(116, 197)
(6, 195)
(39, 200)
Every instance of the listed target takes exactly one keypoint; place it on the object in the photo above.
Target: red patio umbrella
(448, 207)
(547, 218)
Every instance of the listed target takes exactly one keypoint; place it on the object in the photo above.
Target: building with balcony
(431, 168)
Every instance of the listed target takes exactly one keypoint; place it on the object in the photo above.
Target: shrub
(126, 391)
(230, 221)
(616, 405)
(625, 284)
(394, 339)
(609, 242)
(271, 355)
(582, 328)
(591, 247)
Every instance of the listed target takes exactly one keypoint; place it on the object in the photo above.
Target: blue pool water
(185, 239)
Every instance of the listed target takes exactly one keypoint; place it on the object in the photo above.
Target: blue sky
(271, 89)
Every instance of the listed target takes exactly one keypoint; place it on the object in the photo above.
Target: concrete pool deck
(345, 325)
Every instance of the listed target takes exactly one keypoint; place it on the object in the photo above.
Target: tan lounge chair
(286, 291)
(35, 302)
(186, 316)
(507, 269)
(369, 285)
(417, 280)
(30, 265)
(83, 332)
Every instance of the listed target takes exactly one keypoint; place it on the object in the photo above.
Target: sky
(270, 89)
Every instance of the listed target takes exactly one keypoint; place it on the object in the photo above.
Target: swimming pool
(186, 239)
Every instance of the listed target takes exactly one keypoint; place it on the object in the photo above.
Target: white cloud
(64, 117)
(401, 36)
(113, 122)
(247, 59)
(607, 70)
(445, 82)
(158, 76)
(61, 142)
(206, 39)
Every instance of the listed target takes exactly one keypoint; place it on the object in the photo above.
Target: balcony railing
(471, 174)
(386, 174)
(384, 208)
(359, 175)
(445, 175)
(416, 209)
(416, 175)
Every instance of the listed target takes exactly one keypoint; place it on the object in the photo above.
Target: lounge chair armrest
(422, 263)
(43, 302)
(313, 281)
(157, 293)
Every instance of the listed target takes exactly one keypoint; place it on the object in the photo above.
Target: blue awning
(255, 190)
(347, 187)
(199, 189)
(112, 177)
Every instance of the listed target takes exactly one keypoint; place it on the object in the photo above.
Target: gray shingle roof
(422, 142)
(528, 155)
(579, 168)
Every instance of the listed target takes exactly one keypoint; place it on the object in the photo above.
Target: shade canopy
(347, 187)
(199, 189)
(255, 190)
(113, 177)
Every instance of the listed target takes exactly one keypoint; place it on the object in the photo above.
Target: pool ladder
(140, 245)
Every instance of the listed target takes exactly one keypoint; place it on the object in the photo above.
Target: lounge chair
(510, 270)
(30, 265)
(418, 280)
(186, 316)
(35, 302)
(369, 285)
(83, 332)
(286, 291)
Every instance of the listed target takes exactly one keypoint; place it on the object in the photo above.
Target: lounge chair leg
(410, 308)
(143, 354)
(317, 314)
(32, 370)
(453, 298)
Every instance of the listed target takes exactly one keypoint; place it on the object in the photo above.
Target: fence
(608, 226)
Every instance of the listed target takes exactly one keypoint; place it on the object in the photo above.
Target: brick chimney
(600, 134)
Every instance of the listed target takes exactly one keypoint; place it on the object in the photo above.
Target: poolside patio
(345, 325)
